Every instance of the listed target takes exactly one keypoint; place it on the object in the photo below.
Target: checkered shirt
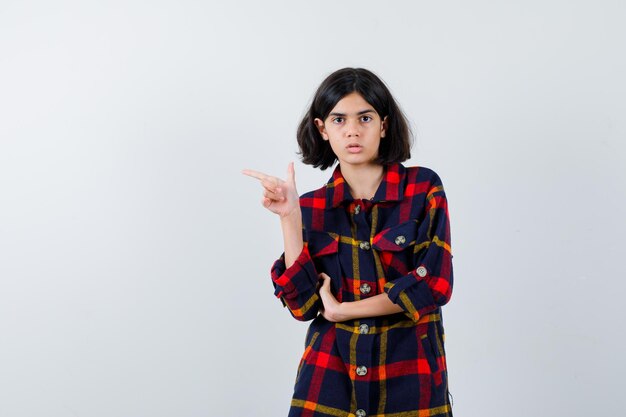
(398, 243)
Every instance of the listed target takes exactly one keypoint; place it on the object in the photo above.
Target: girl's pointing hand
(279, 196)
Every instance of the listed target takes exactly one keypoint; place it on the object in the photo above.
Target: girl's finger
(278, 192)
(268, 182)
(273, 196)
(266, 202)
(326, 284)
(271, 183)
(255, 174)
(291, 173)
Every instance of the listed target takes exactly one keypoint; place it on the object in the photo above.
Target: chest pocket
(397, 246)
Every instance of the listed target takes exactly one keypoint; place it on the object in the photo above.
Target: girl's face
(354, 130)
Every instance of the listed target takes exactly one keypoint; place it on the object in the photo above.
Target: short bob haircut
(394, 147)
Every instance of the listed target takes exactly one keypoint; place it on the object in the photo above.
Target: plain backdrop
(135, 256)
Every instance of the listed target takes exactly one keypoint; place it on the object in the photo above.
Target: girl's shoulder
(421, 173)
(313, 205)
(411, 174)
(317, 193)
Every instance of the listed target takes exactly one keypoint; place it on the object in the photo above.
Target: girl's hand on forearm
(331, 309)
(279, 196)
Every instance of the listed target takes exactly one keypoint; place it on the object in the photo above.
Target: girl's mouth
(354, 148)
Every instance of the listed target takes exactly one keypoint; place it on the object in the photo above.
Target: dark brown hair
(396, 147)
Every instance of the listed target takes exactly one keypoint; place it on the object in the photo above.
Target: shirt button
(364, 245)
(364, 328)
(360, 413)
(361, 370)
(357, 209)
(365, 288)
(421, 271)
(400, 240)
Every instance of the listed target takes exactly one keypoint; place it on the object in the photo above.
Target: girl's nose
(352, 128)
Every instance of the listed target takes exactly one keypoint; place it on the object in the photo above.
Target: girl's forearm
(378, 305)
(292, 237)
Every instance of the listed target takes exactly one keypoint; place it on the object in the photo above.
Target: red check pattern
(397, 243)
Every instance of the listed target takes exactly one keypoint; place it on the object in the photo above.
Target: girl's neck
(362, 180)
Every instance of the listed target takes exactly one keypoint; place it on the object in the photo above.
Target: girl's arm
(293, 275)
(377, 305)
(292, 237)
(333, 310)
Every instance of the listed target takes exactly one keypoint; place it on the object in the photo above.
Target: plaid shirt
(398, 243)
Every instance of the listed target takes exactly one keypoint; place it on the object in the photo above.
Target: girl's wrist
(344, 311)
(293, 217)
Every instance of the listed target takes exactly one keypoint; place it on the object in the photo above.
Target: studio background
(135, 257)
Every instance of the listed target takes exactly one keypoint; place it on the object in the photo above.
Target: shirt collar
(391, 188)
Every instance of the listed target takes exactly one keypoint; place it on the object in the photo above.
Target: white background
(135, 257)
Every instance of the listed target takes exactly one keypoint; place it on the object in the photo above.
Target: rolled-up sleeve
(429, 285)
(296, 286)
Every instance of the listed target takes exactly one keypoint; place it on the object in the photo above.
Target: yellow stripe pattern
(332, 411)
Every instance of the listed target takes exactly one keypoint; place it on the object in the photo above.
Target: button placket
(362, 234)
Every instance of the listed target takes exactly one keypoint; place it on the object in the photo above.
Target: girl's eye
(367, 117)
(337, 119)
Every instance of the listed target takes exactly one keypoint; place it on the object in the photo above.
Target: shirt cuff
(412, 293)
(297, 279)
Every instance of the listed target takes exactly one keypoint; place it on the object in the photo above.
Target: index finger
(255, 174)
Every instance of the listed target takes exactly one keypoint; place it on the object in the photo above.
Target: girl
(367, 258)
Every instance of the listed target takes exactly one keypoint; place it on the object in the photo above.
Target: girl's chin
(357, 159)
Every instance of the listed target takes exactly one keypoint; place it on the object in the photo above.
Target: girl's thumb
(291, 173)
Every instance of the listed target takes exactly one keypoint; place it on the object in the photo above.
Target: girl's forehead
(353, 103)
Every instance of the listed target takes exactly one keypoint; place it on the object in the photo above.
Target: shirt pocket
(396, 247)
(428, 353)
(310, 339)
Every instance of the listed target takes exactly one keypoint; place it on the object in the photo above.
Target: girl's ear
(383, 127)
(322, 129)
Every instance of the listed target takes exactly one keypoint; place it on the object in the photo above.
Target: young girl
(367, 258)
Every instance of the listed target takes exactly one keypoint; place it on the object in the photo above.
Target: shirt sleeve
(296, 286)
(429, 285)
